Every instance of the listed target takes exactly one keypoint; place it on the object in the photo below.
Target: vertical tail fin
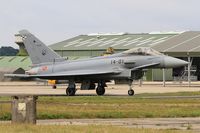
(37, 50)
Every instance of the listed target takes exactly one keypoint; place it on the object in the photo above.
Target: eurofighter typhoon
(92, 73)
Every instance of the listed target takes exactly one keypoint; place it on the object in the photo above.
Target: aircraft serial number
(119, 61)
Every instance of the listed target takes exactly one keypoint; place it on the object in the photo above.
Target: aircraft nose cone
(171, 62)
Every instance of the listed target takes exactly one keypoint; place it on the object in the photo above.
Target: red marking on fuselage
(44, 68)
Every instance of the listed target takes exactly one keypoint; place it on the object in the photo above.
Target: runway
(154, 123)
(33, 88)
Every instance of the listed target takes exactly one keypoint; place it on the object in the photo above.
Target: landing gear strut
(100, 90)
(131, 91)
(92, 86)
(71, 89)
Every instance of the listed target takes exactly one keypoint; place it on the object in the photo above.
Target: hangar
(185, 45)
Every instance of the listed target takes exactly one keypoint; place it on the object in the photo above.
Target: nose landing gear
(131, 92)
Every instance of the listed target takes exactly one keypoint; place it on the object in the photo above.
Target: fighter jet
(92, 73)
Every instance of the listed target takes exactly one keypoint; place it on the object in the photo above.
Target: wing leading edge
(67, 74)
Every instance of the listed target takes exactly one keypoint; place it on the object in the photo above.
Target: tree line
(8, 51)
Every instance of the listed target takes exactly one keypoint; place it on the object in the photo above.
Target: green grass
(116, 107)
(7, 128)
(193, 93)
(112, 107)
(4, 98)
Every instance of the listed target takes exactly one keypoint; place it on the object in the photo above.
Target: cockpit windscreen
(142, 51)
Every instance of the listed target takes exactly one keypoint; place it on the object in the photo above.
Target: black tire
(131, 92)
(100, 91)
(54, 87)
(70, 91)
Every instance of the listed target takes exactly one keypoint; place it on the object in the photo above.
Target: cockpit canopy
(142, 51)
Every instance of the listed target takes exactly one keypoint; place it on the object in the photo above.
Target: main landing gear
(100, 90)
(54, 86)
(71, 89)
(131, 91)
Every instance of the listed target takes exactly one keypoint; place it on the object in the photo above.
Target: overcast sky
(56, 20)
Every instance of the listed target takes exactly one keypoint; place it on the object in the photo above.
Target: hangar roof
(15, 62)
(187, 42)
(117, 41)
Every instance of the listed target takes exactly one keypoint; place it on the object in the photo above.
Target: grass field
(6, 128)
(112, 107)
